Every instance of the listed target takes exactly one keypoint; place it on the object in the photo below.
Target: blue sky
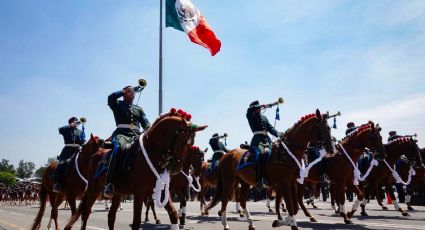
(62, 58)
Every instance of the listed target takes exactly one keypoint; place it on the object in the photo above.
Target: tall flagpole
(160, 56)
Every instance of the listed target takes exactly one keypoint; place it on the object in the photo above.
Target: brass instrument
(333, 115)
(224, 136)
(279, 101)
(143, 83)
(82, 120)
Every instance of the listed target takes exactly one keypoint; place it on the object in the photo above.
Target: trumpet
(414, 135)
(143, 83)
(279, 101)
(333, 115)
(82, 120)
(224, 136)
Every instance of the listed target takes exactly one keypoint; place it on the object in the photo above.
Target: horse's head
(405, 146)
(91, 146)
(173, 134)
(196, 156)
(366, 136)
(314, 129)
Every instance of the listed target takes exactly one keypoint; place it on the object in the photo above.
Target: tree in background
(5, 166)
(40, 171)
(25, 169)
(7, 178)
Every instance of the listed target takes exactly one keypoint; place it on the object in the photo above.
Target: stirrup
(108, 191)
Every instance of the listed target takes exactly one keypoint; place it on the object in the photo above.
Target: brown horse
(183, 182)
(206, 181)
(340, 168)
(281, 169)
(418, 180)
(164, 148)
(380, 174)
(73, 185)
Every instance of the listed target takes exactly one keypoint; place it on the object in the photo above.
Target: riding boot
(258, 176)
(109, 189)
(57, 187)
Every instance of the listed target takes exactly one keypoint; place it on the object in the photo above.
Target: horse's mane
(173, 113)
(356, 131)
(399, 140)
(302, 120)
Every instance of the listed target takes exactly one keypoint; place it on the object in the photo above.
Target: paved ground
(21, 217)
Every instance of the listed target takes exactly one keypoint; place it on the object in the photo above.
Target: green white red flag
(183, 15)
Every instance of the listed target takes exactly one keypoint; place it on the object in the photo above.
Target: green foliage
(7, 178)
(6, 166)
(25, 169)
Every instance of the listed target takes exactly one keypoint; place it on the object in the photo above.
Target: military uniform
(73, 139)
(393, 136)
(261, 144)
(350, 128)
(218, 148)
(128, 119)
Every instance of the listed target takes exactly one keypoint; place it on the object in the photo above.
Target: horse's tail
(218, 195)
(43, 200)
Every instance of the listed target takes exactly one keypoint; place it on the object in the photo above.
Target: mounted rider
(350, 128)
(128, 119)
(73, 139)
(393, 135)
(261, 144)
(219, 149)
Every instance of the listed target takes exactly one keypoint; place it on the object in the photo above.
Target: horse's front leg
(112, 214)
(172, 213)
(137, 211)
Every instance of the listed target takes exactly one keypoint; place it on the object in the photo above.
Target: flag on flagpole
(184, 16)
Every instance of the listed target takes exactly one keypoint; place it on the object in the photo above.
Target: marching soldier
(218, 147)
(73, 138)
(128, 119)
(261, 144)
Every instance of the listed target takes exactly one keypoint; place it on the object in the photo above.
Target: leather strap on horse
(303, 170)
(162, 181)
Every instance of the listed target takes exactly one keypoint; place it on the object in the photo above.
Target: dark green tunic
(70, 136)
(126, 114)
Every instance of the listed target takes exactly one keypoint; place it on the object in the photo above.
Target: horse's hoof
(337, 212)
(347, 221)
(158, 222)
(270, 210)
(350, 214)
(314, 206)
(294, 227)
(405, 213)
(202, 213)
(284, 210)
(410, 208)
(241, 214)
(364, 214)
(384, 208)
(251, 228)
(146, 220)
(219, 213)
(206, 213)
(312, 219)
(276, 223)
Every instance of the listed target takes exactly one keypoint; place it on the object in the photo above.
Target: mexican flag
(183, 15)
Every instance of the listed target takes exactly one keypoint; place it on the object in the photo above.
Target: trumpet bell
(142, 82)
(280, 100)
(83, 120)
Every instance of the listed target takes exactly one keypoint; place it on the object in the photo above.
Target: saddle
(124, 158)
(212, 168)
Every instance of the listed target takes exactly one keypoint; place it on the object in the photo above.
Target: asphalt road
(21, 217)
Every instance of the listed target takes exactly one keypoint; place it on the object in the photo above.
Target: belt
(72, 145)
(261, 132)
(127, 126)
(219, 151)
